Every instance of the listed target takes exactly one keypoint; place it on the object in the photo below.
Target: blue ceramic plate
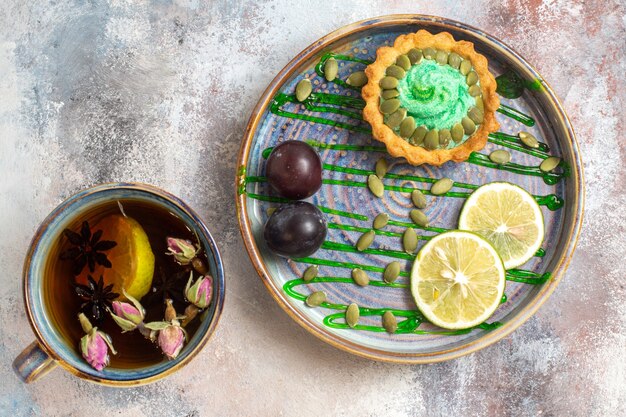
(349, 154)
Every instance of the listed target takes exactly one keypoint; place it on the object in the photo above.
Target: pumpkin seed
(442, 186)
(360, 277)
(310, 273)
(315, 299)
(457, 132)
(403, 62)
(468, 125)
(330, 69)
(465, 67)
(365, 240)
(528, 140)
(454, 60)
(357, 79)
(303, 90)
(381, 167)
(444, 138)
(394, 119)
(375, 185)
(407, 127)
(418, 217)
(479, 103)
(270, 210)
(352, 315)
(475, 90)
(418, 136)
(550, 163)
(431, 141)
(500, 157)
(476, 115)
(392, 271)
(387, 94)
(418, 199)
(389, 82)
(396, 72)
(415, 56)
(389, 106)
(472, 78)
(389, 322)
(441, 57)
(409, 240)
(380, 221)
(429, 53)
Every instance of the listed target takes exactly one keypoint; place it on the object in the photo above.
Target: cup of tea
(123, 285)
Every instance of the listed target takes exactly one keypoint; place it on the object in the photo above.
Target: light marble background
(160, 92)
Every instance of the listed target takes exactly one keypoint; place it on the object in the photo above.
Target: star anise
(87, 249)
(166, 287)
(97, 298)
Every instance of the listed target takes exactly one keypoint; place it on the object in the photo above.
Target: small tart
(418, 86)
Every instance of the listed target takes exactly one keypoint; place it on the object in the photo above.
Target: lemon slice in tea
(457, 280)
(508, 217)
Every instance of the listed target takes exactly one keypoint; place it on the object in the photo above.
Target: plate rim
(572, 231)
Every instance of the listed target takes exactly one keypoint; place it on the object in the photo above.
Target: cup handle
(33, 363)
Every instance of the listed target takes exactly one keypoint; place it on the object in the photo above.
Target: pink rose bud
(128, 316)
(183, 250)
(95, 345)
(201, 292)
(171, 340)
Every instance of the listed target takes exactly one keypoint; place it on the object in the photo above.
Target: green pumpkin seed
(409, 240)
(429, 53)
(394, 119)
(357, 79)
(418, 217)
(418, 199)
(550, 163)
(415, 56)
(315, 299)
(389, 322)
(469, 126)
(431, 141)
(375, 185)
(475, 90)
(476, 115)
(310, 273)
(381, 167)
(479, 103)
(472, 78)
(365, 241)
(465, 67)
(388, 83)
(270, 210)
(500, 157)
(380, 221)
(403, 62)
(457, 132)
(528, 140)
(444, 138)
(396, 72)
(387, 94)
(442, 186)
(392, 271)
(407, 127)
(389, 106)
(331, 68)
(441, 57)
(352, 315)
(360, 277)
(454, 60)
(303, 90)
(418, 136)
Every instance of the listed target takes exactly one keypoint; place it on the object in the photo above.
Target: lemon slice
(508, 217)
(457, 280)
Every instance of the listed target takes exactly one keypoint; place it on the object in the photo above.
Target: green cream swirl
(435, 95)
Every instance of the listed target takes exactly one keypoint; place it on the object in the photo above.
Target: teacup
(52, 349)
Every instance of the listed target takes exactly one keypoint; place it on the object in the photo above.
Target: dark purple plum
(294, 170)
(295, 230)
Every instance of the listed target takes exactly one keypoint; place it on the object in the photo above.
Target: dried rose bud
(171, 336)
(128, 316)
(201, 292)
(183, 250)
(95, 345)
